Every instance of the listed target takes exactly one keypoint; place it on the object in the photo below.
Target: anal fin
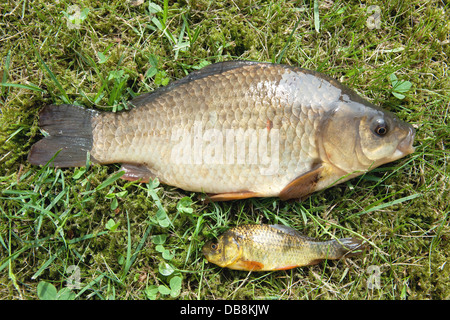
(253, 265)
(288, 267)
(135, 172)
(232, 196)
(303, 185)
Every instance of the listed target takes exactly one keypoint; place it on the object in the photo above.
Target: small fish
(274, 247)
(233, 130)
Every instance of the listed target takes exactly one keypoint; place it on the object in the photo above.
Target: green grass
(126, 240)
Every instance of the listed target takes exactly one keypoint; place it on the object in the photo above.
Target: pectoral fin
(246, 265)
(253, 265)
(135, 172)
(302, 186)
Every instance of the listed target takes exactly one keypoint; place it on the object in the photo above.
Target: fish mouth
(405, 146)
(205, 249)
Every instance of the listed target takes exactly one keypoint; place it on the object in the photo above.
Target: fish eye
(381, 128)
(214, 246)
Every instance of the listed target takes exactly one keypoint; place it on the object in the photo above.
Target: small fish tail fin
(69, 129)
(349, 247)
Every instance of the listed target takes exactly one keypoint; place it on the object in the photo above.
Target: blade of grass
(180, 44)
(385, 205)
(86, 237)
(131, 258)
(165, 11)
(192, 37)
(44, 266)
(316, 16)
(128, 258)
(109, 180)
(435, 240)
(22, 86)
(280, 57)
(90, 286)
(64, 96)
(11, 274)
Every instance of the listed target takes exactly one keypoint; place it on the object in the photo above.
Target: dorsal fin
(210, 70)
(291, 231)
(286, 229)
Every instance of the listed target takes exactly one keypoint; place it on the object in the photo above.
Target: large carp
(233, 130)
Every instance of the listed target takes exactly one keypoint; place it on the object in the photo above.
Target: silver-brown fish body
(233, 130)
(274, 247)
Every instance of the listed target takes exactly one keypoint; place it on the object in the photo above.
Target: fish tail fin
(69, 129)
(349, 247)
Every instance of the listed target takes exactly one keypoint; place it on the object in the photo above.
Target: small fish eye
(381, 128)
(214, 246)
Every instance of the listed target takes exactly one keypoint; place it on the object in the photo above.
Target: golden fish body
(274, 247)
(234, 130)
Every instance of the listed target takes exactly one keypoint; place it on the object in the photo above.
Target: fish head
(225, 251)
(358, 136)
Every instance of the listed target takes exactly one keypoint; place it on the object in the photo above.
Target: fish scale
(233, 130)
